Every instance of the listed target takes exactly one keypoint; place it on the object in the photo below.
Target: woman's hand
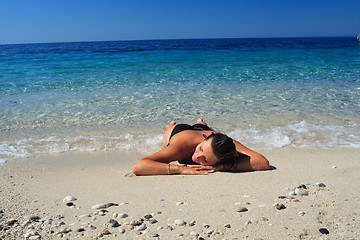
(196, 169)
(213, 168)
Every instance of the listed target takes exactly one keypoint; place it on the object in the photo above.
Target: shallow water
(267, 93)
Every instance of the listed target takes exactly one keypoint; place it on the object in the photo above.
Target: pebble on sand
(299, 191)
(192, 223)
(105, 232)
(104, 205)
(320, 185)
(324, 231)
(113, 223)
(153, 221)
(241, 209)
(194, 234)
(279, 206)
(179, 222)
(122, 215)
(141, 227)
(69, 199)
(227, 225)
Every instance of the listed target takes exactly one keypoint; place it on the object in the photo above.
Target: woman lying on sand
(202, 149)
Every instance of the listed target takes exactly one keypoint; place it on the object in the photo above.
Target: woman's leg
(168, 130)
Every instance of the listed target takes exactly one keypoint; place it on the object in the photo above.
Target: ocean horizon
(268, 93)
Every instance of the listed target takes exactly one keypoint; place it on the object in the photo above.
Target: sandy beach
(111, 203)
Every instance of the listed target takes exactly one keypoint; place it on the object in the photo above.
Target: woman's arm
(249, 160)
(159, 163)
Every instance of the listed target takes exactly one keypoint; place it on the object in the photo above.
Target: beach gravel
(326, 212)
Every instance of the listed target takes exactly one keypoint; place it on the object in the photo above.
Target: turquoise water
(91, 96)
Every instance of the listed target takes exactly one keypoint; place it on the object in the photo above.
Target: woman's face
(204, 154)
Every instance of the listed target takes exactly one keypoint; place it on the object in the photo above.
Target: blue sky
(29, 21)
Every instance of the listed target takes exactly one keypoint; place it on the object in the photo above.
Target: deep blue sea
(118, 95)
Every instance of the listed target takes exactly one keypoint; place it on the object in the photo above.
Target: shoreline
(33, 189)
(19, 144)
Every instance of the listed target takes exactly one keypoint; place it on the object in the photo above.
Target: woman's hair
(224, 149)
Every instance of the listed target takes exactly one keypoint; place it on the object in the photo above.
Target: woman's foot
(201, 121)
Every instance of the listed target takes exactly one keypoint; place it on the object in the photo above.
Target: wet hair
(224, 149)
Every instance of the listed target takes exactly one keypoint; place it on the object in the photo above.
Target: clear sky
(29, 21)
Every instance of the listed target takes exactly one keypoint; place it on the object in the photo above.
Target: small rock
(320, 185)
(227, 225)
(179, 203)
(115, 215)
(34, 237)
(65, 230)
(105, 232)
(154, 235)
(264, 219)
(122, 215)
(60, 223)
(136, 222)
(113, 223)
(241, 209)
(69, 199)
(147, 217)
(179, 222)
(80, 230)
(248, 222)
(192, 223)
(282, 197)
(300, 191)
(11, 222)
(141, 227)
(333, 167)
(279, 206)
(121, 230)
(69, 204)
(153, 221)
(100, 213)
(168, 227)
(33, 218)
(301, 213)
(29, 233)
(104, 205)
(324, 231)
(292, 193)
(194, 234)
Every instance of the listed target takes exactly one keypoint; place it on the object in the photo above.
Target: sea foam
(299, 135)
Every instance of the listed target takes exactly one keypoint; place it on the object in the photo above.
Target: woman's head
(216, 149)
